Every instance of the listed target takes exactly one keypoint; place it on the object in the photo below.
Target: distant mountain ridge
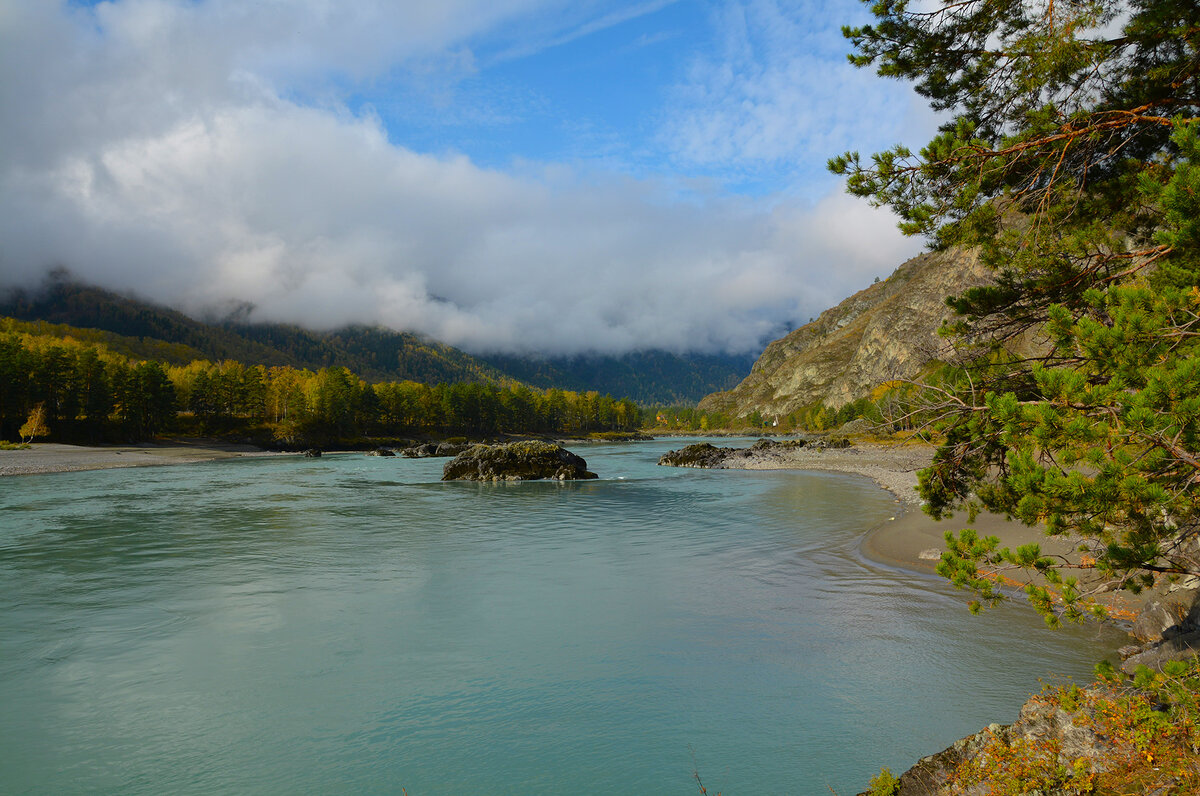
(886, 332)
(645, 376)
(374, 353)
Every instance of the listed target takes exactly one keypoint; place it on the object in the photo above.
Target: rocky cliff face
(887, 331)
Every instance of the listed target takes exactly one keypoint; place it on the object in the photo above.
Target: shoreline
(55, 457)
(912, 539)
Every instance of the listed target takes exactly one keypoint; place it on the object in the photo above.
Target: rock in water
(516, 461)
(702, 454)
(419, 451)
(430, 449)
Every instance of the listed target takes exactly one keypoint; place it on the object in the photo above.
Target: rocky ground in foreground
(1118, 735)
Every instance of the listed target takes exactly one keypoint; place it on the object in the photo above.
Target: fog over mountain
(206, 154)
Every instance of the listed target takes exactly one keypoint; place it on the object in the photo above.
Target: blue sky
(517, 175)
(619, 87)
(592, 93)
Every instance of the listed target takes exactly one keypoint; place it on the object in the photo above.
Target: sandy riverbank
(52, 457)
(912, 538)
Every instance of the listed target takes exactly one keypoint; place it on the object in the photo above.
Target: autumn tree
(1069, 159)
(35, 424)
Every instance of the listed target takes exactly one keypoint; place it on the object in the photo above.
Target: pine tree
(1072, 163)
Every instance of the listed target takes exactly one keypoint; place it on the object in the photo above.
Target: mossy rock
(530, 460)
(701, 454)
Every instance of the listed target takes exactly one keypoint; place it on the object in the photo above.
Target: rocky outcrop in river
(432, 449)
(516, 461)
(702, 454)
(381, 452)
(709, 456)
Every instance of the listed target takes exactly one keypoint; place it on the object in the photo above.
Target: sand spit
(52, 457)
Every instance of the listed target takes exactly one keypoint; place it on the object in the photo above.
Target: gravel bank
(52, 457)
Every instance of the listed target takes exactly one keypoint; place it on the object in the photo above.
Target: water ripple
(355, 625)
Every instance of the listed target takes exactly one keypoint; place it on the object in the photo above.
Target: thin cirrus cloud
(777, 93)
(202, 155)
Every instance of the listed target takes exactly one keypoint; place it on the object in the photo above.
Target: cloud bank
(199, 154)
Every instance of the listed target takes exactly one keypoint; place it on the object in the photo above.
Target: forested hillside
(645, 376)
(60, 383)
(376, 354)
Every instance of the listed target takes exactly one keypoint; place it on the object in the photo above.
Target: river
(351, 624)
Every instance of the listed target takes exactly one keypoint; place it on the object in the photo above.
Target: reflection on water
(351, 624)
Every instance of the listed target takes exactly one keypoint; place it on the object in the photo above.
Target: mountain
(376, 354)
(648, 377)
(887, 331)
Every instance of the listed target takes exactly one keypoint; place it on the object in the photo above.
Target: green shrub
(886, 784)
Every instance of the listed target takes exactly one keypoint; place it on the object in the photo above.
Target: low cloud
(208, 187)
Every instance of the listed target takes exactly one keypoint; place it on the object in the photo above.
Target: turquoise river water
(353, 625)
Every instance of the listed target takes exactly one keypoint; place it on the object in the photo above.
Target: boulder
(860, 425)
(381, 452)
(1176, 648)
(516, 461)
(430, 449)
(420, 451)
(1175, 613)
(313, 453)
(775, 446)
(701, 454)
